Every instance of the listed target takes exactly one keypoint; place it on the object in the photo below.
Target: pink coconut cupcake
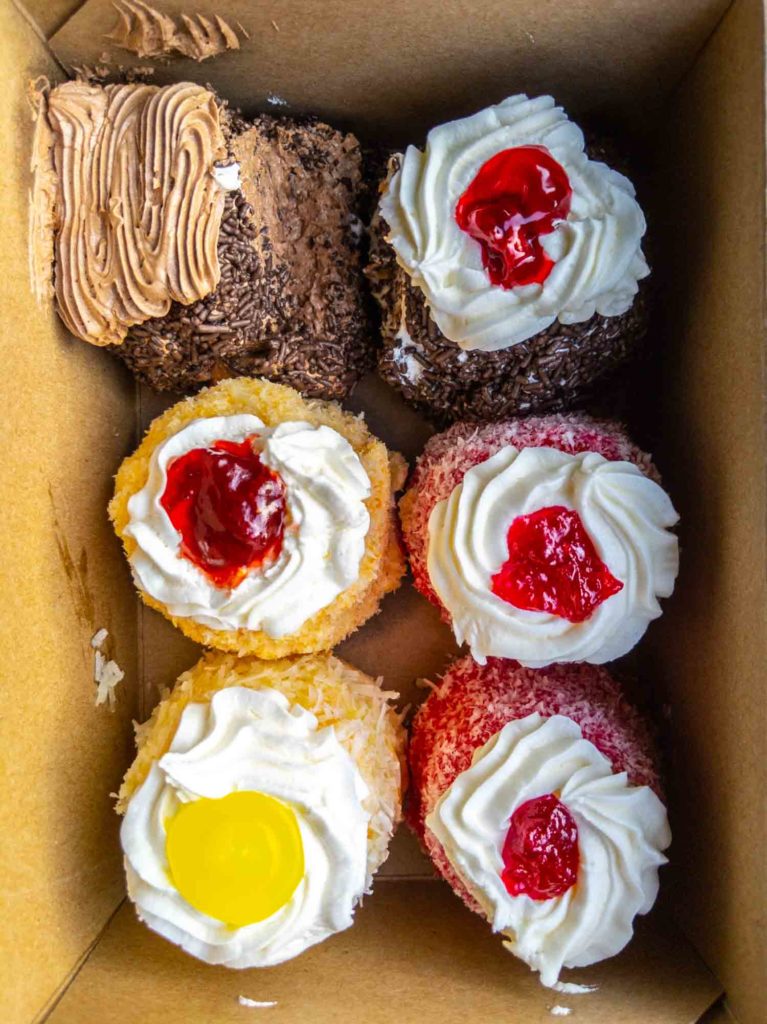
(536, 794)
(545, 540)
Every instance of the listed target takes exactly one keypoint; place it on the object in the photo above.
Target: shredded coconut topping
(106, 672)
(256, 1004)
(97, 640)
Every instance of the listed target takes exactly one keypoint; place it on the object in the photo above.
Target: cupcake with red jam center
(536, 795)
(259, 522)
(507, 265)
(543, 540)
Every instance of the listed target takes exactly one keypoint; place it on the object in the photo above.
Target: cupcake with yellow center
(259, 522)
(260, 805)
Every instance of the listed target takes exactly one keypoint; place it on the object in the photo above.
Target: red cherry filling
(540, 853)
(553, 566)
(228, 507)
(517, 195)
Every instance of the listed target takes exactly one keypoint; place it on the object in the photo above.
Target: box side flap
(718, 1014)
(50, 15)
(712, 643)
(414, 954)
(68, 414)
(417, 63)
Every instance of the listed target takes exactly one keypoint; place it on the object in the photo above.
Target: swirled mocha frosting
(138, 209)
(147, 32)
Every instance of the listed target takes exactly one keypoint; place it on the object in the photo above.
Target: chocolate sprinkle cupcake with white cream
(507, 264)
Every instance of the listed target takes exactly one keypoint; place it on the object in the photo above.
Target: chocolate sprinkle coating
(191, 345)
(264, 319)
(552, 371)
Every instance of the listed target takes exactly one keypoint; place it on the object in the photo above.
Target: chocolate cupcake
(507, 265)
(199, 246)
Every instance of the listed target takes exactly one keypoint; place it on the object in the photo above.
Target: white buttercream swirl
(622, 830)
(626, 515)
(323, 544)
(596, 249)
(253, 740)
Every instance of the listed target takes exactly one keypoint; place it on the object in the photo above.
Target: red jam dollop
(229, 508)
(540, 853)
(553, 566)
(518, 195)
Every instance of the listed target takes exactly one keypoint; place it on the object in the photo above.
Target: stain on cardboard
(76, 571)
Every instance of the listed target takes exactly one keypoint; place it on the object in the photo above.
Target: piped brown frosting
(138, 208)
(147, 32)
(290, 304)
(43, 194)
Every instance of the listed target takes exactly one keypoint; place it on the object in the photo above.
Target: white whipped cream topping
(622, 830)
(324, 539)
(405, 349)
(253, 740)
(596, 249)
(626, 515)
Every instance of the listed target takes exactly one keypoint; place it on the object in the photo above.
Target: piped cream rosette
(626, 516)
(596, 249)
(323, 505)
(260, 805)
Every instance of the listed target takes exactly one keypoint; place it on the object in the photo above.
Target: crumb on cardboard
(92, 74)
(256, 1004)
(106, 672)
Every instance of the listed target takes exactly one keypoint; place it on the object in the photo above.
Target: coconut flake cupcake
(536, 795)
(544, 540)
(260, 805)
(259, 522)
(507, 265)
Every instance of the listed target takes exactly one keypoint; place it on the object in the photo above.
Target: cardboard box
(684, 80)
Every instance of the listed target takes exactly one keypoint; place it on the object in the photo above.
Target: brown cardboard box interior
(414, 953)
(709, 655)
(50, 15)
(67, 416)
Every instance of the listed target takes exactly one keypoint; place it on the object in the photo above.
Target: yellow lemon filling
(238, 858)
